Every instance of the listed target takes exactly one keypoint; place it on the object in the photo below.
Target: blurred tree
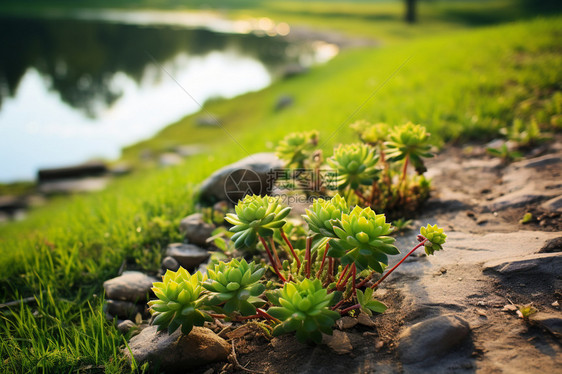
(411, 14)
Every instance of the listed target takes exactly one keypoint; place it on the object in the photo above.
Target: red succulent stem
(338, 304)
(348, 309)
(323, 260)
(264, 314)
(361, 196)
(291, 248)
(217, 316)
(400, 262)
(354, 270)
(330, 269)
(272, 260)
(364, 281)
(344, 283)
(307, 255)
(274, 251)
(405, 170)
(341, 276)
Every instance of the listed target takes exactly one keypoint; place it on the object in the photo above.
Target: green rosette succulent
(362, 239)
(372, 133)
(368, 304)
(303, 307)
(179, 299)
(236, 285)
(355, 165)
(435, 238)
(322, 215)
(297, 147)
(256, 215)
(409, 142)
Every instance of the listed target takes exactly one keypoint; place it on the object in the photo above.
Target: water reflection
(71, 89)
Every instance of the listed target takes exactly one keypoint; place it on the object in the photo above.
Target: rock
(293, 70)
(131, 286)
(520, 198)
(365, 320)
(541, 263)
(177, 353)
(195, 229)
(551, 322)
(346, 322)
(339, 342)
(188, 150)
(553, 205)
(170, 263)
(125, 326)
(208, 121)
(539, 162)
(188, 256)
(254, 174)
(553, 245)
(169, 159)
(121, 309)
(432, 338)
(284, 101)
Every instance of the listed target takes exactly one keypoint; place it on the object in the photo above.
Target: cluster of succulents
(179, 301)
(256, 215)
(435, 238)
(354, 164)
(296, 148)
(303, 307)
(235, 286)
(362, 239)
(347, 241)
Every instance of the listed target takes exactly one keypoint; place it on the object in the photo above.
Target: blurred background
(81, 81)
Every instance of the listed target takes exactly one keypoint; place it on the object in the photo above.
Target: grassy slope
(465, 84)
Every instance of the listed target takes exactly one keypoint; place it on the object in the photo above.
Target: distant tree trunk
(411, 11)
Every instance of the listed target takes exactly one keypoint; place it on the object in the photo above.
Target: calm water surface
(72, 90)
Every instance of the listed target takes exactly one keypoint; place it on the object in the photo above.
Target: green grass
(465, 84)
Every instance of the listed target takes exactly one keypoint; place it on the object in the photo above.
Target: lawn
(463, 82)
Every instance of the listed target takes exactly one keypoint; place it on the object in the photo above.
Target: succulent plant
(362, 239)
(409, 142)
(371, 133)
(322, 214)
(435, 238)
(355, 164)
(304, 307)
(256, 215)
(179, 299)
(368, 304)
(236, 285)
(297, 147)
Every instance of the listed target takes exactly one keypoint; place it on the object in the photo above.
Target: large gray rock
(177, 353)
(195, 229)
(553, 205)
(122, 309)
(432, 338)
(187, 255)
(170, 263)
(253, 174)
(131, 286)
(541, 263)
(551, 322)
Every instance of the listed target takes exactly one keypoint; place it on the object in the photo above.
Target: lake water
(76, 89)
